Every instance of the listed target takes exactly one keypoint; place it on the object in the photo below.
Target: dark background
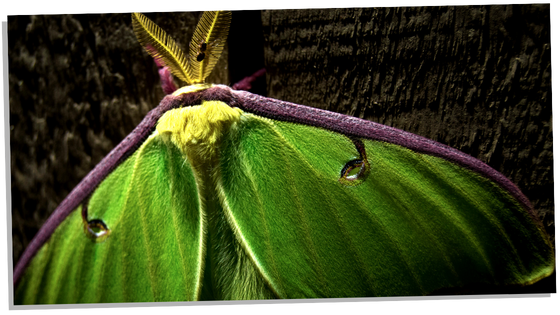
(476, 78)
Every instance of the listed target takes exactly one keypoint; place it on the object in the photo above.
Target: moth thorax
(197, 130)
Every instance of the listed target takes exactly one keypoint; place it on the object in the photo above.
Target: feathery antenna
(205, 48)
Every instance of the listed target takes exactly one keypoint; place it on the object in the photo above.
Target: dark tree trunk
(476, 78)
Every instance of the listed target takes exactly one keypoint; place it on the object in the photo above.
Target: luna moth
(222, 194)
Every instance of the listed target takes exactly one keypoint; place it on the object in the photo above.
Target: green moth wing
(416, 224)
(242, 198)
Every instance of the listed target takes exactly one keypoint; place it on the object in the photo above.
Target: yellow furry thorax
(197, 130)
(192, 88)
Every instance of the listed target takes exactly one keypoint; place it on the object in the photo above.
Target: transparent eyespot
(95, 229)
(354, 172)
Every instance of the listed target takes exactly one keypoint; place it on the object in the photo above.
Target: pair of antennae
(205, 49)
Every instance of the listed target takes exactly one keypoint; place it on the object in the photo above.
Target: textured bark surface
(476, 78)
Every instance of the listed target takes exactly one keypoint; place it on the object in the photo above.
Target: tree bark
(476, 78)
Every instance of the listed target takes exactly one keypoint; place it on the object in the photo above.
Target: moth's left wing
(144, 195)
